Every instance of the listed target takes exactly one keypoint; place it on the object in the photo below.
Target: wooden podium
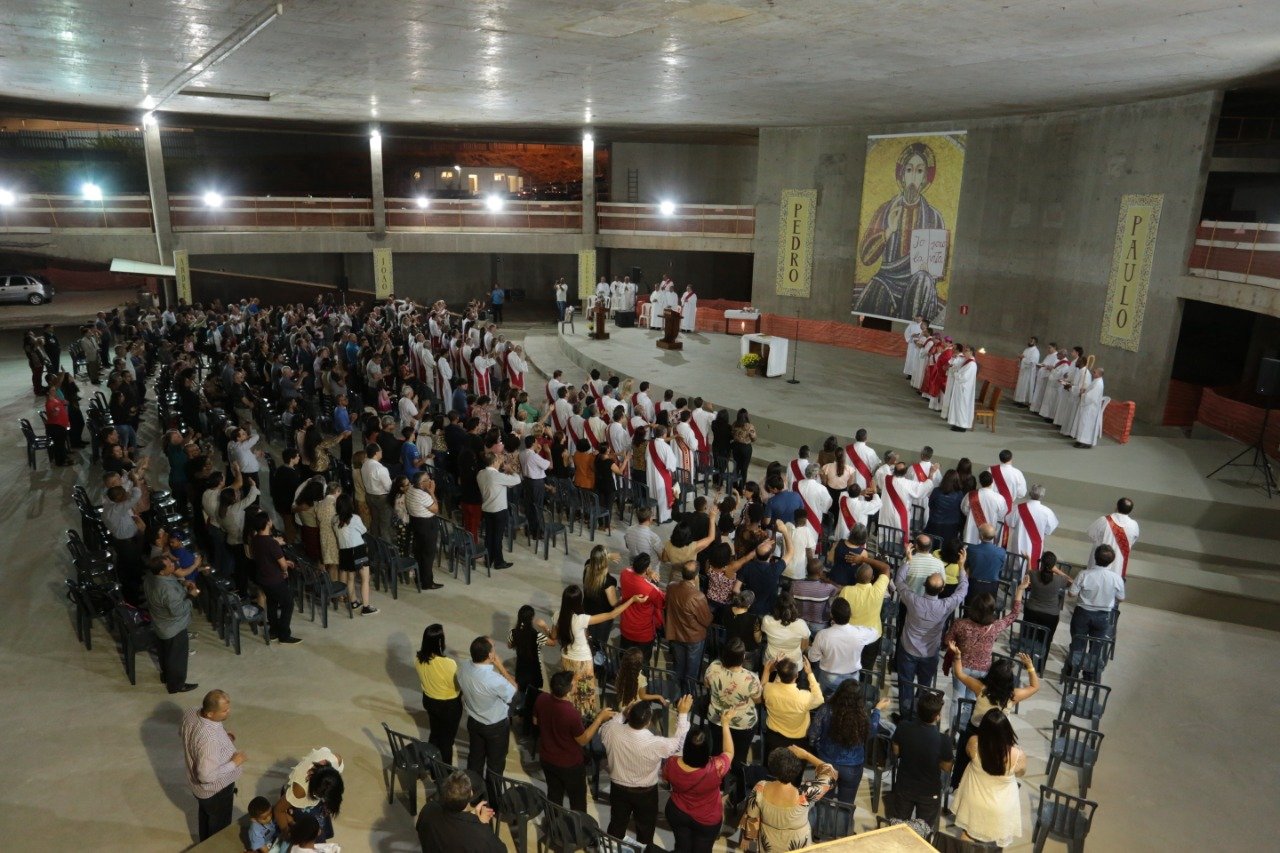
(599, 314)
(670, 330)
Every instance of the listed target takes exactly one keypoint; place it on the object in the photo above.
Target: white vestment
(689, 312)
(1089, 418)
(859, 508)
(909, 335)
(1070, 399)
(961, 388)
(657, 486)
(1045, 520)
(657, 304)
(994, 509)
(1100, 533)
(1027, 368)
(1042, 380)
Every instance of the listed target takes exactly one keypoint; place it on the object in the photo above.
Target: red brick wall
(1238, 420)
(1182, 404)
(1117, 421)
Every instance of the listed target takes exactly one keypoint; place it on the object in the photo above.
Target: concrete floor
(99, 764)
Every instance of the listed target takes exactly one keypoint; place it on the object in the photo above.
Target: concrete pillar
(158, 190)
(588, 185)
(379, 194)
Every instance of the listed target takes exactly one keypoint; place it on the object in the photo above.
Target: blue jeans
(686, 661)
(1086, 624)
(560, 310)
(831, 680)
(913, 670)
(847, 782)
(962, 692)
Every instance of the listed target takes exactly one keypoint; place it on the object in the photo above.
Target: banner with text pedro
(910, 203)
(795, 242)
(1131, 270)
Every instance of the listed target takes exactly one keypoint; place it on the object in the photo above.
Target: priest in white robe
(1029, 525)
(909, 335)
(1028, 365)
(924, 347)
(1046, 365)
(983, 505)
(1092, 405)
(1075, 377)
(444, 376)
(1053, 387)
(962, 385)
(688, 309)
(660, 474)
(657, 304)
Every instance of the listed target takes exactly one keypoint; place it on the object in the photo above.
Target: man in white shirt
(1029, 526)
(804, 546)
(534, 467)
(814, 495)
(636, 756)
(1119, 531)
(377, 487)
(562, 298)
(1098, 590)
(837, 651)
(703, 415)
(493, 504)
(241, 451)
(420, 502)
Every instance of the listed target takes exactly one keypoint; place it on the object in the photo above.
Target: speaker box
(625, 319)
(1269, 377)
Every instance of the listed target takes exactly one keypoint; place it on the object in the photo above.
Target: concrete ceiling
(632, 63)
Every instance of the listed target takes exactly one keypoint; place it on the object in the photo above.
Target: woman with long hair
(987, 804)
(946, 519)
(317, 450)
(785, 632)
(837, 472)
(304, 508)
(527, 641)
(744, 436)
(400, 515)
(721, 441)
(1044, 599)
(975, 635)
(353, 554)
(441, 699)
(630, 684)
(600, 592)
(996, 690)
(570, 631)
(840, 732)
(315, 788)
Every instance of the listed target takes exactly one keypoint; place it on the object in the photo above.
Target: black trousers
(77, 424)
(279, 609)
(495, 308)
(443, 715)
(57, 443)
(173, 659)
(741, 459)
(901, 805)
(242, 567)
(870, 652)
(488, 745)
(647, 648)
(566, 781)
(625, 802)
(691, 836)
(534, 493)
(495, 528)
(214, 813)
(425, 531)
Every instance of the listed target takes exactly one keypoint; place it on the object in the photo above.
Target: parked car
(25, 287)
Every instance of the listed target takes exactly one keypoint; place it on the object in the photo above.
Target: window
(446, 174)
(499, 177)
(417, 175)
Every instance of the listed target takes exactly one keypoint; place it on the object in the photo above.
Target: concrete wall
(1033, 245)
(693, 174)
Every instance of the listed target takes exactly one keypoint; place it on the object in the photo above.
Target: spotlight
(493, 202)
(423, 201)
(587, 140)
(375, 135)
(212, 199)
(667, 208)
(7, 198)
(149, 119)
(91, 191)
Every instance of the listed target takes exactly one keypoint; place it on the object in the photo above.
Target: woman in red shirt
(695, 810)
(640, 623)
(58, 422)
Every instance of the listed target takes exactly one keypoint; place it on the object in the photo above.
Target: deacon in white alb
(1118, 530)
(909, 335)
(1089, 418)
(794, 472)
(1042, 376)
(1030, 525)
(688, 309)
(661, 474)
(1009, 481)
(962, 384)
(1028, 366)
(984, 505)
(863, 459)
(855, 508)
(814, 496)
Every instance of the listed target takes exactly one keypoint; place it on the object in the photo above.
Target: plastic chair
(1031, 638)
(134, 635)
(1062, 817)
(235, 613)
(890, 545)
(907, 710)
(462, 554)
(564, 831)
(593, 514)
(517, 805)
(1015, 565)
(407, 762)
(321, 591)
(880, 760)
(832, 819)
(951, 844)
(1075, 747)
(550, 531)
(390, 567)
(960, 722)
(1083, 699)
(35, 442)
(1088, 661)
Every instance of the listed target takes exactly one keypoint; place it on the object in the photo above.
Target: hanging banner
(1131, 270)
(587, 274)
(182, 273)
(910, 204)
(384, 283)
(795, 242)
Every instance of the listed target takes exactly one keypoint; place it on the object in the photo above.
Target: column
(379, 194)
(157, 188)
(588, 184)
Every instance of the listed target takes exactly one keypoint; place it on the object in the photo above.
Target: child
(262, 829)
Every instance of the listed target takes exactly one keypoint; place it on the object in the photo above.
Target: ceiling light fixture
(374, 135)
(149, 119)
(667, 208)
(229, 45)
(587, 140)
(212, 199)
(91, 191)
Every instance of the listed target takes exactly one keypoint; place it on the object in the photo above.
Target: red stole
(1122, 540)
(595, 392)
(440, 383)
(590, 435)
(551, 398)
(655, 460)
(814, 519)
(1033, 533)
(702, 439)
(922, 473)
(845, 513)
(1001, 486)
(796, 476)
(482, 381)
(859, 465)
(573, 438)
(975, 509)
(513, 376)
(898, 504)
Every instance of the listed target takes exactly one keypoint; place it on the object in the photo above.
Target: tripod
(1259, 460)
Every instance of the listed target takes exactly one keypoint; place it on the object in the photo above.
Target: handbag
(749, 823)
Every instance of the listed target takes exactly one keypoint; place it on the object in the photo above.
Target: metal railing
(707, 220)
(1245, 252)
(271, 213)
(73, 212)
(475, 215)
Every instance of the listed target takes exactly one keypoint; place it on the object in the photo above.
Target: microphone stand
(795, 351)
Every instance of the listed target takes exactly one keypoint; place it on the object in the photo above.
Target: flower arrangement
(750, 361)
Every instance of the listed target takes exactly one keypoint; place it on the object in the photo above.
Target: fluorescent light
(587, 140)
(667, 208)
(423, 201)
(457, 168)
(91, 191)
(493, 202)
(375, 135)
(7, 198)
(212, 199)
(149, 119)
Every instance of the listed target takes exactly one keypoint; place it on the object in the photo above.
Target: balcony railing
(474, 215)
(706, 220)
(1247, 252)
(48, 212)
(252, 213)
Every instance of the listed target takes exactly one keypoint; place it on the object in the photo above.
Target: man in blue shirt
(1098, 590)
(763, 573)
(783, 502)
(487, 690)
(459, 402)
(410, 457)
(984, 562)
(496, 298)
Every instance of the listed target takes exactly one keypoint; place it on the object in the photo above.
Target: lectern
(599, 314)
(670, 330)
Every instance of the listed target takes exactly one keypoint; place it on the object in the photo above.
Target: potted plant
(751, 363)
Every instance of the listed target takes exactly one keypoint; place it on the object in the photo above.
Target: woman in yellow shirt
(438, 675)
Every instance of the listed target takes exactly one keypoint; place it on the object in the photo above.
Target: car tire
(35, 299)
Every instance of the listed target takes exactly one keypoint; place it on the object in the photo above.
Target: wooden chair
(987, 413)
(982, 393)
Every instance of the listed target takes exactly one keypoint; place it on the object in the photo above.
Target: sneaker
(290, 641)
(368, 611)
(355, 605)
